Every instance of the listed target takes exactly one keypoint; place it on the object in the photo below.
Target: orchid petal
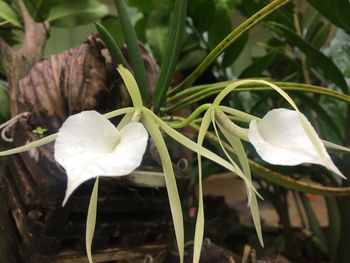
(88, 145)
(280, 138)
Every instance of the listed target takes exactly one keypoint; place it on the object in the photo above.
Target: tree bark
(17, 63)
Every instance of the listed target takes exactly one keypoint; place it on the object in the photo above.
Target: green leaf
(314, 56)
(221, 25)
(144, 6)
(196, 9)
(156, 37)
(112, 46)
(173, 47)
(259, 66)
(91, 220)
(170, 181)
(191, 59)
(232, 53)
(133, 50)
(7, 14)
(72, 13)
(337, 11)
(339, 50)
(40, 9)
(113, 26)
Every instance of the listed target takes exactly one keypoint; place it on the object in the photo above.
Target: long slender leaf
(199, 230)
(176, 32)
(91, 220)
(31, 145)
(173, 194)
(237, 146)
(134, 51)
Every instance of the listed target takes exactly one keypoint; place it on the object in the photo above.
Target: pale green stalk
(199, 229)
(131, 86)
(91, 220)
(31, 145)
(190, 118)
(174, 200)
(237, 146)
(197, 93)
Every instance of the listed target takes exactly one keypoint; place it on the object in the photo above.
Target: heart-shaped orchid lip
(88, 145)
(280, 138)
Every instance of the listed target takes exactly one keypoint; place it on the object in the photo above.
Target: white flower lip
(88, 145)
(280, 138)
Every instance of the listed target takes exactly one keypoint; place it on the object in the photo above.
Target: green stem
(133, 47)
(190, 118)
(227, 41)
(173, 47)
(194, 94)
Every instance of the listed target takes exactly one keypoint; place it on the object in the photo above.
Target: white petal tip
(72, 185)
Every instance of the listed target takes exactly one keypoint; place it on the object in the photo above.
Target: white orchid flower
(88, 146)
(280, 138)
